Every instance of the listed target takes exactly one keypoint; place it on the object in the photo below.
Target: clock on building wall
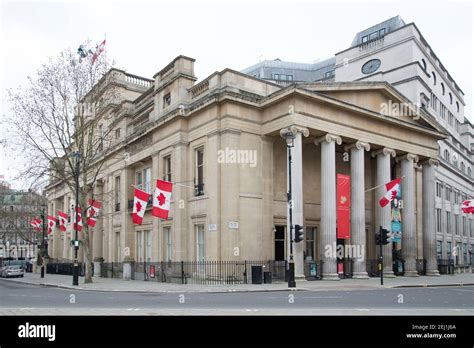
(371, 66)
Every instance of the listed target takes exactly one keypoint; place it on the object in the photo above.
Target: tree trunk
(87, 257)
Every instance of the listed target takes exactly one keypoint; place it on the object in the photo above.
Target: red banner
(343, 206)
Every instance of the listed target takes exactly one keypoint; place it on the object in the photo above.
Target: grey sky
(142, 37)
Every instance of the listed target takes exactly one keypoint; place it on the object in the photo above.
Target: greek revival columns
(408, 214)
(429, 217)
(297, 192)
(328, 201)
(382, 215)
(358, 236)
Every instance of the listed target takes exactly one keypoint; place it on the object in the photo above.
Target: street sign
(212, 227)
(233, 225)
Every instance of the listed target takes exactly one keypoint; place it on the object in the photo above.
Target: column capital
(430, 162)
(328, 138)
(358, 145)
(408, 157)
(384, 151)
(294, 130)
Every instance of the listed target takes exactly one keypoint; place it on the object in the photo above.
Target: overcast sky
(142, 37)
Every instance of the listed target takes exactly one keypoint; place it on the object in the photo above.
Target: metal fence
(111, 270)
(208, 272)
(65, 268)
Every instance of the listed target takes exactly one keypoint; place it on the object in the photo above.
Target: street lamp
(290, 137)
(43, 246)
(75, 270)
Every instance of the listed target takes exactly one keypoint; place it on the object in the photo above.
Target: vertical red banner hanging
(343, 206)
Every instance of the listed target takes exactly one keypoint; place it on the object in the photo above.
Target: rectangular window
(374, 35)
(439, 249)
(199, 172)
(200, 251)
(438, 189)
(139, 180)
(448, 249)
(448, 193)
(118, 251)
(290, 77)
(166, 100)
(438, 220)
(456, 197)
(464, 248)
(276, 76)
(117, 193)
(464, 226)
(168, 245)
(382, 32)
(167, 168)
(471, 222)
(310, 234)
(365, 38)
(117, 133)
(139, 244)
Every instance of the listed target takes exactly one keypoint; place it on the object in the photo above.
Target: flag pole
(376, 187)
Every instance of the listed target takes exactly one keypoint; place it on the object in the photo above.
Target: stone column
(429, 217)
(408, 214)
(358, 236)
(297, 193)
(382, 215)
(328, 203)
(97, 232)
(180, 235)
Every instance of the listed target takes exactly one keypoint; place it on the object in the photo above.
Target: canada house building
(383, 108)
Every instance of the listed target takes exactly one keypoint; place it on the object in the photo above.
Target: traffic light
(386, 236)
(299, 234)
(378, 238)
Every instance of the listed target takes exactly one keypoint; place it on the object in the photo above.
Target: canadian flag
(92, 211)
(36, 223)
(98, 51)
(79, 217)
(51, 222)
(162, 199)
(392, 190)
(139, 205)
(468, 206)
(62, 220)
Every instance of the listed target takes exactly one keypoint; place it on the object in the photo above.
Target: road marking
(133, 309)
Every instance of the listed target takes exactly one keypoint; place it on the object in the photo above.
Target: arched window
(457, 106)
(450, 98)
(423, 64)
(446, 155)
(442, 88)
(469, 171)
(434, 78)
(463, 167)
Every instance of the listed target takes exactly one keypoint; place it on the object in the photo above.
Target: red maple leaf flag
(139, 205)
(99, 50)
(92, 211)
(468, 206)
(51, 222)
(36, 223)
(392, 189)
(62, 220)
(79, 216)
(162, 199)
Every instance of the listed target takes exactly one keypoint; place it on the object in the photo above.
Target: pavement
(153, 286)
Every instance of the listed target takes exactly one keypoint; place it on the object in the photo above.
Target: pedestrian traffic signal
(299, 234)
(378, 238)
(386, 236)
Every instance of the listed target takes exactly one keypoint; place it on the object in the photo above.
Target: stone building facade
(235, 208)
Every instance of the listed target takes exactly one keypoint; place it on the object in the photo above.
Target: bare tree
(63, 112)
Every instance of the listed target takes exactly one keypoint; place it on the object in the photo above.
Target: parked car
(13, 271)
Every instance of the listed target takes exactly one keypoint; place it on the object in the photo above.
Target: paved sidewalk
(109, 284)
